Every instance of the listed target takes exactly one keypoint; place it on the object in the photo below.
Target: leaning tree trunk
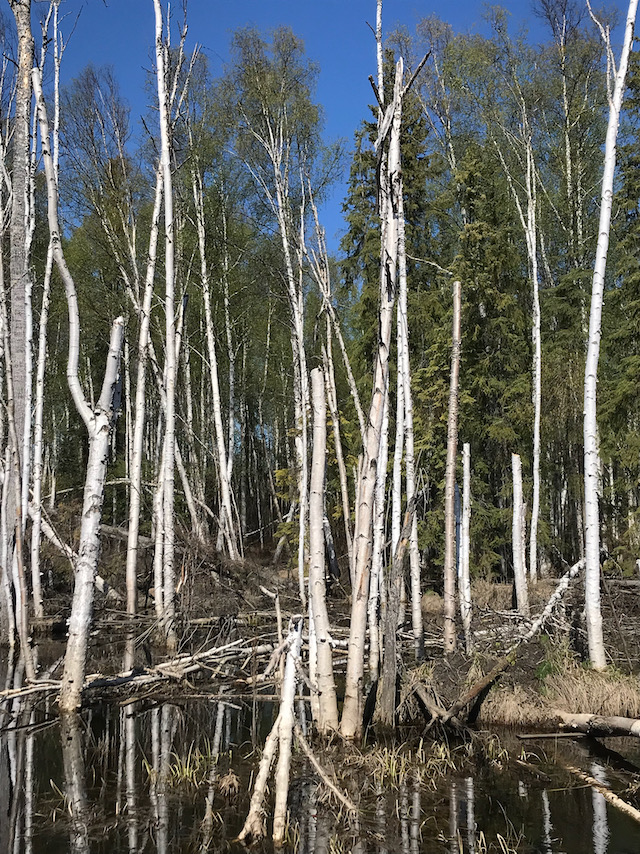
(38, 430)
(591, 456)
(98, 424)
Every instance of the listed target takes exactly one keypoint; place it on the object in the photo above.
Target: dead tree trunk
(450, 482)
(327, 703)
(519, 568)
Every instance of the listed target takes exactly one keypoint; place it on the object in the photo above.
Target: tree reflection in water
(75, 782)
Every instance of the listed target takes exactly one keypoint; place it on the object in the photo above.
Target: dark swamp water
(176, 777)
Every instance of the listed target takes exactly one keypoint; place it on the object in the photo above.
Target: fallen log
(600, 726)
(610, 796)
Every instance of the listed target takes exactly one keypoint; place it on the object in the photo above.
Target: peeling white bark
(591, 455)
(519, 568)
(327, 719)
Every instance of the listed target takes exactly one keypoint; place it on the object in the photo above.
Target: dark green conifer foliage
(619, 413)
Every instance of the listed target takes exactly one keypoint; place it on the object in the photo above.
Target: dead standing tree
(16, 360)
(450, 482)
(390, 191)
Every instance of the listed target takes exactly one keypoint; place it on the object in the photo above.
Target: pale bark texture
(404, 371)
(75, 782)
(450, 483)
(285, 731)
(89, 547)
(168, 459)
(20, 287)
(519, 568)
(591, 455)
(98, 423)
(19, 260)
(377, 581)
(135, 467)
(327, 703)
(224, 455)
(351, 723)
(464, 585)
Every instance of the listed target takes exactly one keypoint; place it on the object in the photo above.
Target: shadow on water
(176, 777)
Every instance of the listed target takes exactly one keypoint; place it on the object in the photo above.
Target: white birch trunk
(450, 481)
(168, 462)
(519, 568)
(464, 576)
(89, 548)
(327, 720)
(398, 450)
(139, 420)
(98, 425)
(532, 244)
(38, 443)
(285, 731)
(332, 400)
(227, 526)
(404, 369)
(7, 585)
(377, 582)
(351, 723)
(591, 456)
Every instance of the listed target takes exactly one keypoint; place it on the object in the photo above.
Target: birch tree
(591, 454)
(98, 422)
(518, 539)
(390, 186)
(16, 357)
(450, 478)
(323, 678)
(277, 141)
(166, 519)
(464, 578)
(38, 427)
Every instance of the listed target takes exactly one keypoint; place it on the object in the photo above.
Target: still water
(175, 777)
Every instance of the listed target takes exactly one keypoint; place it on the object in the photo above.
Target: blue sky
(121, 33)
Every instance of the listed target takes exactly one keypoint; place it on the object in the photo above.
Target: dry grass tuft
(229, 785)
(589, 692)
(541, 592)
(432, 605)
(487, 595)
(513, 705)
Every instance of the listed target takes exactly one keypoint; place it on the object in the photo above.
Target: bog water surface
(175, 777)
